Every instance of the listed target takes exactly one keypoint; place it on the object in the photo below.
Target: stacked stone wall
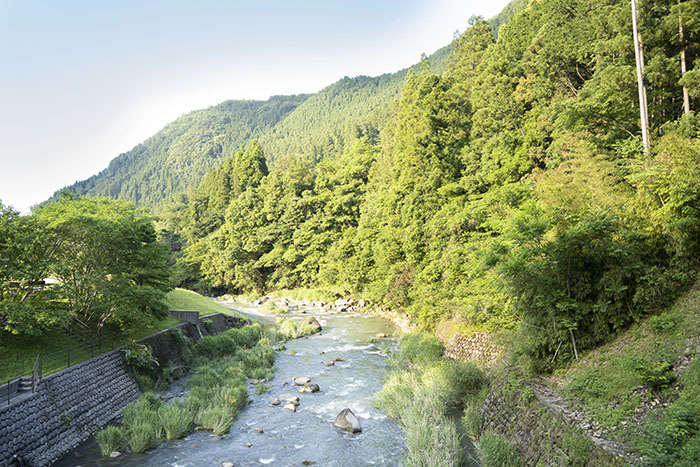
(67, 408)
(70, 406)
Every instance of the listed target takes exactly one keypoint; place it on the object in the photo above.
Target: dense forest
(507, 189)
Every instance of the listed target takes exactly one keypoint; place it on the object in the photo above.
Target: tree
(110, 268)
(27, 255)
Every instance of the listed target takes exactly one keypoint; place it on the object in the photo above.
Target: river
(308, 435)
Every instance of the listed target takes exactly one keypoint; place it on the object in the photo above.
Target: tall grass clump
(218, 419)
(217, 393)
(416, 350)
(418, 393)
(176, 420)
(295, 328)
(496, 451)
(110, 439)
(432, 437)
(144, 435)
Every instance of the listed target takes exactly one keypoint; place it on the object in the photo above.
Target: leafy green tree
(110, 268)
(27, 256)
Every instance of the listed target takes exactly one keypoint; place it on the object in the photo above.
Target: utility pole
(639, 56)
(686, 98)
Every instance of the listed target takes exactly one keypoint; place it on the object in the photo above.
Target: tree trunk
(686, 98)
(639, 56)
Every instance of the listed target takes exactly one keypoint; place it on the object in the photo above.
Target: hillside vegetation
(510, 191)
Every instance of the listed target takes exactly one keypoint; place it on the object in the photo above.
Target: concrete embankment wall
(70, 406)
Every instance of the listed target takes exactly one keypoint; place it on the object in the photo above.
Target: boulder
(258, 430)
(347, 421)
(275, 401)
(329, 363)
(290, 407)
(227, 464)
(301, 380)
(309, 387)
(115, 454)
(315, 325)
(291, 398)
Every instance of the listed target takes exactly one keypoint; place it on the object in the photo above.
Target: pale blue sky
(83, 81)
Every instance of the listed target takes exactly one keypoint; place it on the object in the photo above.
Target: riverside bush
(496, 451)
(216, 418)
(415, 350)
(294, 328)
(144, 435)
(431, 437)
(418, 392)
(397, 392)
(176, 420)
(471, 421)
(218, 391)
(110, 439)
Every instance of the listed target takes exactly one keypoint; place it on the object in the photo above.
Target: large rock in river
(315, 325)
(347, 421)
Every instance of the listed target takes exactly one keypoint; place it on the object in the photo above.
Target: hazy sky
(83, 81)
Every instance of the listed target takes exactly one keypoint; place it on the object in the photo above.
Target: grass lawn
(181, 299)
(17, 353)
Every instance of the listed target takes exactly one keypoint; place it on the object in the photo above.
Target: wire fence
(46, 364)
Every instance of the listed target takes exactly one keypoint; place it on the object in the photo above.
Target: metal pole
(639, 56)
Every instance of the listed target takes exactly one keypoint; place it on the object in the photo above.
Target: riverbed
(306, 437)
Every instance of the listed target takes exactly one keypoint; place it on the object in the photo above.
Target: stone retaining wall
(70, 406)
(67, 408)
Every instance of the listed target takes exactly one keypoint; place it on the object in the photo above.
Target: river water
(290, 439)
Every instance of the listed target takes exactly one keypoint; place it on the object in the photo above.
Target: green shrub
(663, 322)
(462, 381)
(144, 435)
(271, 307)
(145, 382)
(111, 438)
(294, 328)
(472, 423)
(657, 375)
(232, 397)
(145, 409)
(261, 388)
(496, 451)
(205, 376)
(672, 436)
(176, 420)
(139, 357)
(431, 437)
(397, 393)
(216, 419)
(577, 447)
(415, 350)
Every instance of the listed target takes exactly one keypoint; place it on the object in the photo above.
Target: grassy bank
(220, 366)
(420, 391)
(18, 352)
(643, 388)
(181, 299)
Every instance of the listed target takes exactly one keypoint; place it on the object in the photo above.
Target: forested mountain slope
(509, 191)
(181, 153)
(176, 158)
